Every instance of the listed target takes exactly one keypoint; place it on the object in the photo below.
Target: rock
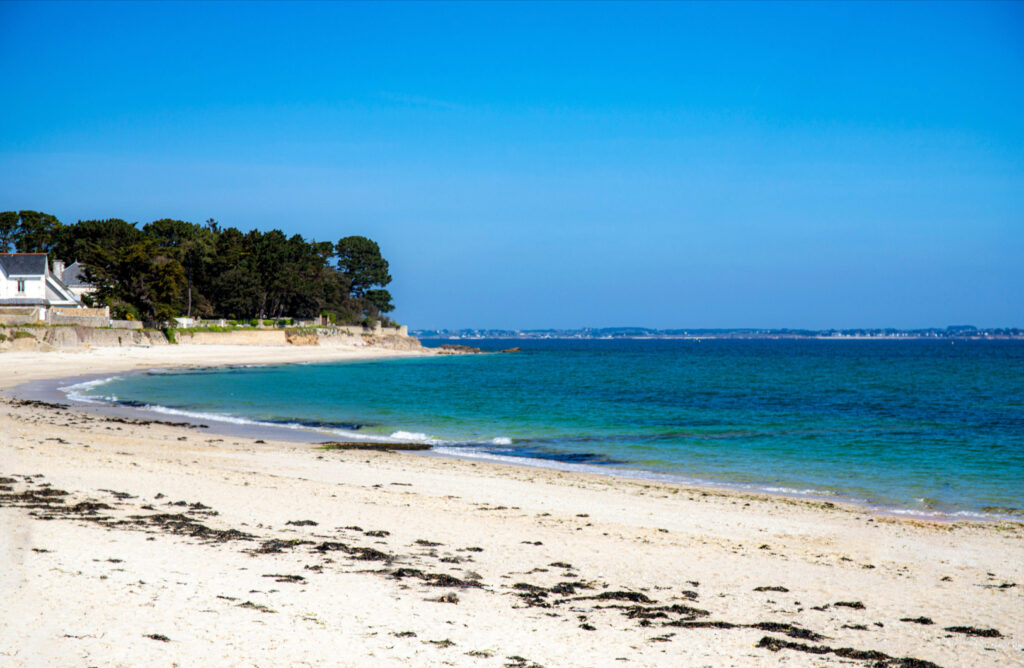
(517, 349)
(456, 349)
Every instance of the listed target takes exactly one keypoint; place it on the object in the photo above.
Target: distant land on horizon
(959, 332)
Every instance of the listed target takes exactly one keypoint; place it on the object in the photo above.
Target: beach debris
(878, 659)
(450, 597)
(183, 525)
(634, 596)
(441, 643)
(975, 631)
(371, 445)
(35, 403)
(158, 636)
(301, 523)
(775, 588)
(516, 661)
(256, 606)
(433, 579)
(917, 620)
(1004, 585)
(688, 613)
(856, 605)
(276, 545)
(284, 578)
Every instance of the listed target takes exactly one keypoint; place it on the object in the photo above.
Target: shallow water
(913, 425)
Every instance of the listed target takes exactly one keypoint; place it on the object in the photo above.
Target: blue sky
(564, 165)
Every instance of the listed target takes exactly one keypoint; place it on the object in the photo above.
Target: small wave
(414, 437)
(501, 440)
(77, 391)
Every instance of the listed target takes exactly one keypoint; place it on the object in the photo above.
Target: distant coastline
(958, 332)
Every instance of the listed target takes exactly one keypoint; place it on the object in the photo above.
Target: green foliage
(8, 228)
(23, 335)
(359, 259)
(3, 337)
(170, 334)
(170, 268)
(36, 232)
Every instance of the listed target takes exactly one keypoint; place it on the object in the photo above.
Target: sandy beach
(131, 542)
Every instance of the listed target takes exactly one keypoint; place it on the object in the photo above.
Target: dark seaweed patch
(879, 659)
(975, 631)
(276, 545)
(633, 596)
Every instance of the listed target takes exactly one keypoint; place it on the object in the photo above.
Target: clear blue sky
(532, 164)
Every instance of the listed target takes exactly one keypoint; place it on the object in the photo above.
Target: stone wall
(64, 338)
(245, 337)
(15, 319)
(69, 337)
(59, 318)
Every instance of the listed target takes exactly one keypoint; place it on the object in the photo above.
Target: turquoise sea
(912, 426)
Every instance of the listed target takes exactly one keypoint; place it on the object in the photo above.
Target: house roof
(74, 276)
(23, 264)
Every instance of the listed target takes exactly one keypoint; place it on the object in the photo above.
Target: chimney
(58, 269)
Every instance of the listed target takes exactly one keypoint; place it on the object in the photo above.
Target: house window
(21, 286)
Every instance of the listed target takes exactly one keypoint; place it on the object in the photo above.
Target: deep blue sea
(912, 426)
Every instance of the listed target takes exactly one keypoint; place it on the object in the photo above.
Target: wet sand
(134, 542)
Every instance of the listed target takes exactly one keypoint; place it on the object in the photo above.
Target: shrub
(169, 333)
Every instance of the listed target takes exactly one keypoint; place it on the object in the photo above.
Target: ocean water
(911, 426)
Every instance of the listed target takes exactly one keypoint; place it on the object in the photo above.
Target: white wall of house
(22, 287)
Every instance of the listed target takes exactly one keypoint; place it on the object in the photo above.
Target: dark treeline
(171, 268)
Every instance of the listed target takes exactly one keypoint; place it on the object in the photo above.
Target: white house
(26, 280)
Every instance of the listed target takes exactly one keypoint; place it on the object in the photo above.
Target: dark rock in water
(359, 445)
(456, 349)
(975, 631)
(517, 349)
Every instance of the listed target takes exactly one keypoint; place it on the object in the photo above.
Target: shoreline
(132, 541)
(52, 389)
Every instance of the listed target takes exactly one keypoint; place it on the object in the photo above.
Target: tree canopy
(170, 268)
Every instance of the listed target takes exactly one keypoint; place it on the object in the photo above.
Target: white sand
(79, 592)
